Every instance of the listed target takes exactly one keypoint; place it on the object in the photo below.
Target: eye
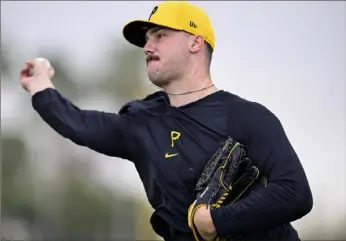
(160, 35)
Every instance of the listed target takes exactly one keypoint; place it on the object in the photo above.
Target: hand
(204, 223)
(36, 75)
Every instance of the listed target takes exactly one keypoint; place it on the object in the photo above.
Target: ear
(196, 43)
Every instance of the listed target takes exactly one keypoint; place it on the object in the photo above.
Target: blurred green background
(69, 203)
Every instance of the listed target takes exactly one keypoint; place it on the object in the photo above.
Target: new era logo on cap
(192, 24)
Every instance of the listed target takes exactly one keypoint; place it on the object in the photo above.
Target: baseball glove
(228, 176)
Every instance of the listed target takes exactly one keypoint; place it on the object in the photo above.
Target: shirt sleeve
(100, 131)
(287, 196)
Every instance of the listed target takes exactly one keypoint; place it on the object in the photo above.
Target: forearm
(97, 130)
(287, 196)
(60, 114)
(274, 205)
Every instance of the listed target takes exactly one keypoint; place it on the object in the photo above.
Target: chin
(159, 82)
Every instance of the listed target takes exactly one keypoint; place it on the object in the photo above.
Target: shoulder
(151, 101)
(245, 108)
(250, 117)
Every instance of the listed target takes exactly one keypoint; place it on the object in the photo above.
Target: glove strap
(191, 214)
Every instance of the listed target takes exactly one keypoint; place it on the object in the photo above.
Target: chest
(175, 148)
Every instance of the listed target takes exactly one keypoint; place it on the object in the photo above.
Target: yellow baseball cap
(178, 15)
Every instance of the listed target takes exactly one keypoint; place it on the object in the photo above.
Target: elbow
(302, 202)
(305, 203)
(75, 134)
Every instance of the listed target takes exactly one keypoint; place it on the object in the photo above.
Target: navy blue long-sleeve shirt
(169, 147)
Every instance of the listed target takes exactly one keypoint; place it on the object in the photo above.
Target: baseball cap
(178, 15)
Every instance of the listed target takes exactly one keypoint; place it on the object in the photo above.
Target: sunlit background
(289, 56)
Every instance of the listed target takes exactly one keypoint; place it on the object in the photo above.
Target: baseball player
(172, 133)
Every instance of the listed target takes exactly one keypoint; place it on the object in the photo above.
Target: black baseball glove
(228, 176)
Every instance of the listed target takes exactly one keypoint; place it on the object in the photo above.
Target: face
(167, 54)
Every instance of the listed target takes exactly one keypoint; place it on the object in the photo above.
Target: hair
(209, 53)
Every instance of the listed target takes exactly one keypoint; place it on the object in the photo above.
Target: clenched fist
(36, 75)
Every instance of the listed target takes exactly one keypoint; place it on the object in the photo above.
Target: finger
(24, 71)
(30, 63)
(29, 66)
(27, 70)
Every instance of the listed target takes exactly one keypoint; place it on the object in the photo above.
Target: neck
(187, 90)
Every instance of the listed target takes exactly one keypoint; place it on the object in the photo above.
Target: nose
(149, 47)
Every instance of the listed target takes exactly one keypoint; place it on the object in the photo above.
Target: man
(171, 134)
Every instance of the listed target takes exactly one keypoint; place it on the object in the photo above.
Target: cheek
(179, 47)
(172, 53)
(177, 52)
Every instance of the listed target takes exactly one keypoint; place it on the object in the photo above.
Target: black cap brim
(135, 31)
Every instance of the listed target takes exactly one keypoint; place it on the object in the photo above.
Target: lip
(152, 61)
(152, 58)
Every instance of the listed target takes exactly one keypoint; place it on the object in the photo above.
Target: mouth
(152, 58)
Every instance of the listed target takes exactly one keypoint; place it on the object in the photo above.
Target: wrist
(203, 221)
(37, 87)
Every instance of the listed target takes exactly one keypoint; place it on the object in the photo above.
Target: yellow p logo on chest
(175, 135)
